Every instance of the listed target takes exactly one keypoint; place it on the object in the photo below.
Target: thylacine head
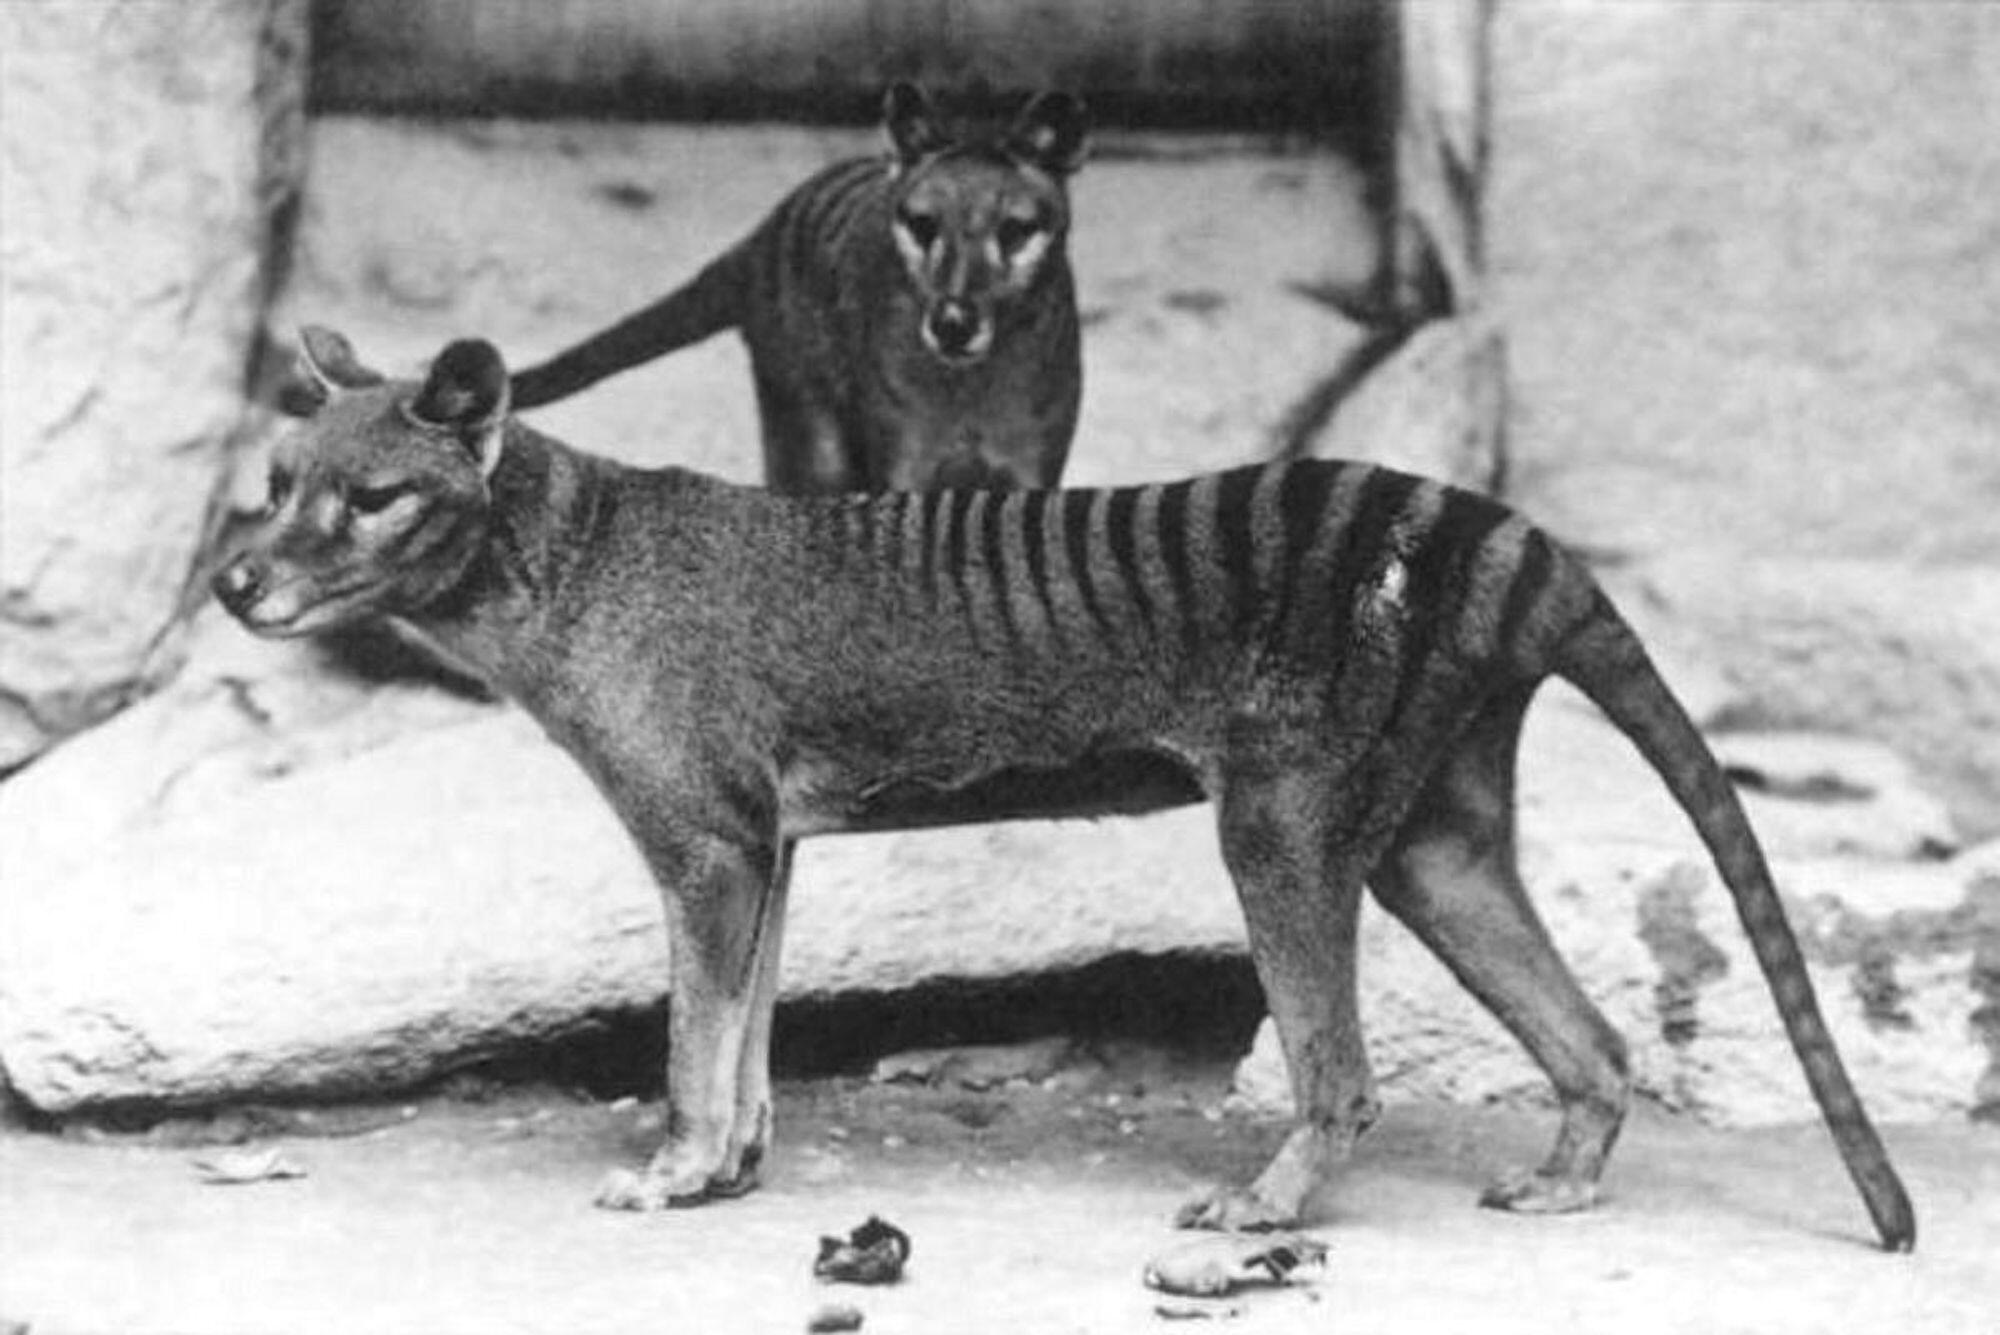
(378, 505)
(975, 219)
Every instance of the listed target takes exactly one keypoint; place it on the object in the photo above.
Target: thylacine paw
(624, 1189)
(1234, 1210)
(1525, 1192)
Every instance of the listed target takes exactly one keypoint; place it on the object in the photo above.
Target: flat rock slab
(299, 886)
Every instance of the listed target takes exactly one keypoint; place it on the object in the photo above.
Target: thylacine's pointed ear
(1052, 132)
(326, 366)
(466, 393)
(911, 124)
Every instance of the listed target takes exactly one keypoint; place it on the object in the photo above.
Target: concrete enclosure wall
(1276, 63)
(1746, 258)
(147, 152)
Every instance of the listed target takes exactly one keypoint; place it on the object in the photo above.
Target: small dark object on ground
(835, 1316)
(1212, 1266)
(874, 1253)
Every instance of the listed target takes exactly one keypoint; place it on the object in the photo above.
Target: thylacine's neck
(549, 504)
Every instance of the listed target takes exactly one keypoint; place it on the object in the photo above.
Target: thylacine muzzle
(1337, 656)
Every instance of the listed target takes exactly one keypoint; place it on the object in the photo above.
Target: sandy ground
(1032, 1208)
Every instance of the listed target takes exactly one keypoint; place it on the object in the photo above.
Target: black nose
(238, 584)
(953, 326)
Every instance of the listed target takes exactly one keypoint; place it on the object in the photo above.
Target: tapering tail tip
(1874, 1175)
(1895, 1219)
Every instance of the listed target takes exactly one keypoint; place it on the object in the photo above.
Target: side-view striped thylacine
(1337, 656)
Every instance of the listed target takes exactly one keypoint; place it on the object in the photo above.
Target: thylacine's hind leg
(1450, 876)
(1301, 893)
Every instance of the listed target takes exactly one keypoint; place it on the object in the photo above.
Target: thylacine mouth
(969, 355)
(329, 609)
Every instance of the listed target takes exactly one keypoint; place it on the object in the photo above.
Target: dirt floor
(1032, 1207)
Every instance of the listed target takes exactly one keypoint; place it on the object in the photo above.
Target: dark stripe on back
(823, 198)
(1170, 531)
(861, 511)
(931, 502)
(992, 549)
(957, 542)
(804, 240)
(1302, 503)
(1383, 498)
(849, 192)
(1238, 547)
(896, 508)
(1439, 582)
(1034, 540)
(1125, 552)
(1531, 578)
(1076, 545)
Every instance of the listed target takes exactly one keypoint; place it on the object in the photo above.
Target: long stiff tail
(1603, 658)
(709, 303)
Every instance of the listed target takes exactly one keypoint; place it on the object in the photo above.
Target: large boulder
(147, 157)
(268, 879)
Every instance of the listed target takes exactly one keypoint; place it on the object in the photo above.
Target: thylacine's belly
(1103, 783)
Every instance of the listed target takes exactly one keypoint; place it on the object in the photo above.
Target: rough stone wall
(1751, 293)
(147, 153)
(1747, 274)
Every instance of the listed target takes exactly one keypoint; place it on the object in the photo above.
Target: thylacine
(911, 318)
(1337, 655)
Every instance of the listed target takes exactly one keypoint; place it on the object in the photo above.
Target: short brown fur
(1337, 656)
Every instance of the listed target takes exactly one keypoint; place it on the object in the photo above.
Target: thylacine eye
(922, 227)
(1014, 233)
(374, 500)
(278, 487)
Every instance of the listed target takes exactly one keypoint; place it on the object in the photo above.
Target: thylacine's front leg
(750, 1139)
(724, 897)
